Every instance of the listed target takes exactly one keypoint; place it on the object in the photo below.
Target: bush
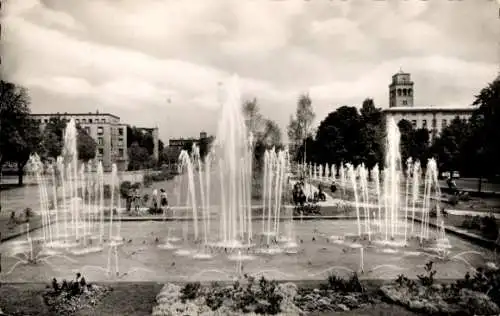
(125, 187)
(489, 227)
(453, 200)
(428, 278)
(338, 284)
(147, 180)
(190, 291)
(155, 211)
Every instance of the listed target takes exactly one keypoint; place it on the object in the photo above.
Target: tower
(401, 90)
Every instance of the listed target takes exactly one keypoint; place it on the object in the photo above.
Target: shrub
(155, 211)
(489, 227)
(125, 187)
(427, 279)
(190, 291)
(453, 200)
(28, 212)
(147, 180)
(338, 284)
(136, 185)
(145, 198)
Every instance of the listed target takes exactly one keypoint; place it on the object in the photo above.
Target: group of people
(159, 201)
(300, 198)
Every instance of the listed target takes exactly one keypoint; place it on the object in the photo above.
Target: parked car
(456, 174)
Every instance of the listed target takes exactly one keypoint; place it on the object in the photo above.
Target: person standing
(163, 198)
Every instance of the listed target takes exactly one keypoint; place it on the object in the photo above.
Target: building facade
(106, 129)
(432, 118)
(185, 143)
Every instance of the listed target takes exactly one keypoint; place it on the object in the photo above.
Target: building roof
(431, 109)
(75, 114)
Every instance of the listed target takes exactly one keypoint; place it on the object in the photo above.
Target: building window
(410, 92)
(399, 92)
(414, 123)
(46, 121)
(100, 130)
(84, 120)
(103, 121)
(120, 142)
(120, 152)
(444, 123)
(100, 141)
(90, 120)
(77, 120)
(434, 123)
(120, 131)
(404, 92)
(404, 102)
(424, 123)
(101, 151)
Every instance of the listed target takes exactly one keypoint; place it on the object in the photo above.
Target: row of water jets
(380, 212)
(73, 205)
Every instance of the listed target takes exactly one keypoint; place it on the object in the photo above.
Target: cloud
(156, 61)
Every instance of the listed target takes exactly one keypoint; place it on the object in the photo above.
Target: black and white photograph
(249, 157)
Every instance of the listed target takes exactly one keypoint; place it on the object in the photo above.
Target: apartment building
(106, 129)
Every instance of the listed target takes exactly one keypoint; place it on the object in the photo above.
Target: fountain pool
(313, 254)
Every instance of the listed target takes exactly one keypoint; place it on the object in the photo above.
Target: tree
(339, 137)
(486, 127)
(372, 134)
(139, 157)
(266, 133)
(86, 145)
(299, 127)
(19, 135)
(414, 143)
(450, 145)
(53, 140)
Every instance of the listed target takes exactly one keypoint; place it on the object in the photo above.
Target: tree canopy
(299, 127)
(19, 135)
(266, 133)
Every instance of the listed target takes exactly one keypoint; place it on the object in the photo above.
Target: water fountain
(215, 194)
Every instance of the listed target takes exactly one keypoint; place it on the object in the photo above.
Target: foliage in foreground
(67, 297)
(470, 296)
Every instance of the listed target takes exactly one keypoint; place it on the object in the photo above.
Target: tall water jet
(376, 178)
(233, 147)
(415, 191)
(70, 155)
(409, 164)
(352, 176)
(393, 165)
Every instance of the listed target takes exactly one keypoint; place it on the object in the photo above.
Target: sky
(159, 62)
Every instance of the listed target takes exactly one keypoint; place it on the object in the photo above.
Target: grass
(457, 220)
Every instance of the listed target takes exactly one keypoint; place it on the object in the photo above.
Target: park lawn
(457, 220)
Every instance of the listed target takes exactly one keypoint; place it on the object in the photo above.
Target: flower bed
(69, 297)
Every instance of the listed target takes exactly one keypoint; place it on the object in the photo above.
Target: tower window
(424, 123)
(399, 92)
(414, 123)
(410, 92)
(404, 92)
(404, 102)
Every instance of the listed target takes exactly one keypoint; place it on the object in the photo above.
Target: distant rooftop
(431, 108)
(76, 114)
